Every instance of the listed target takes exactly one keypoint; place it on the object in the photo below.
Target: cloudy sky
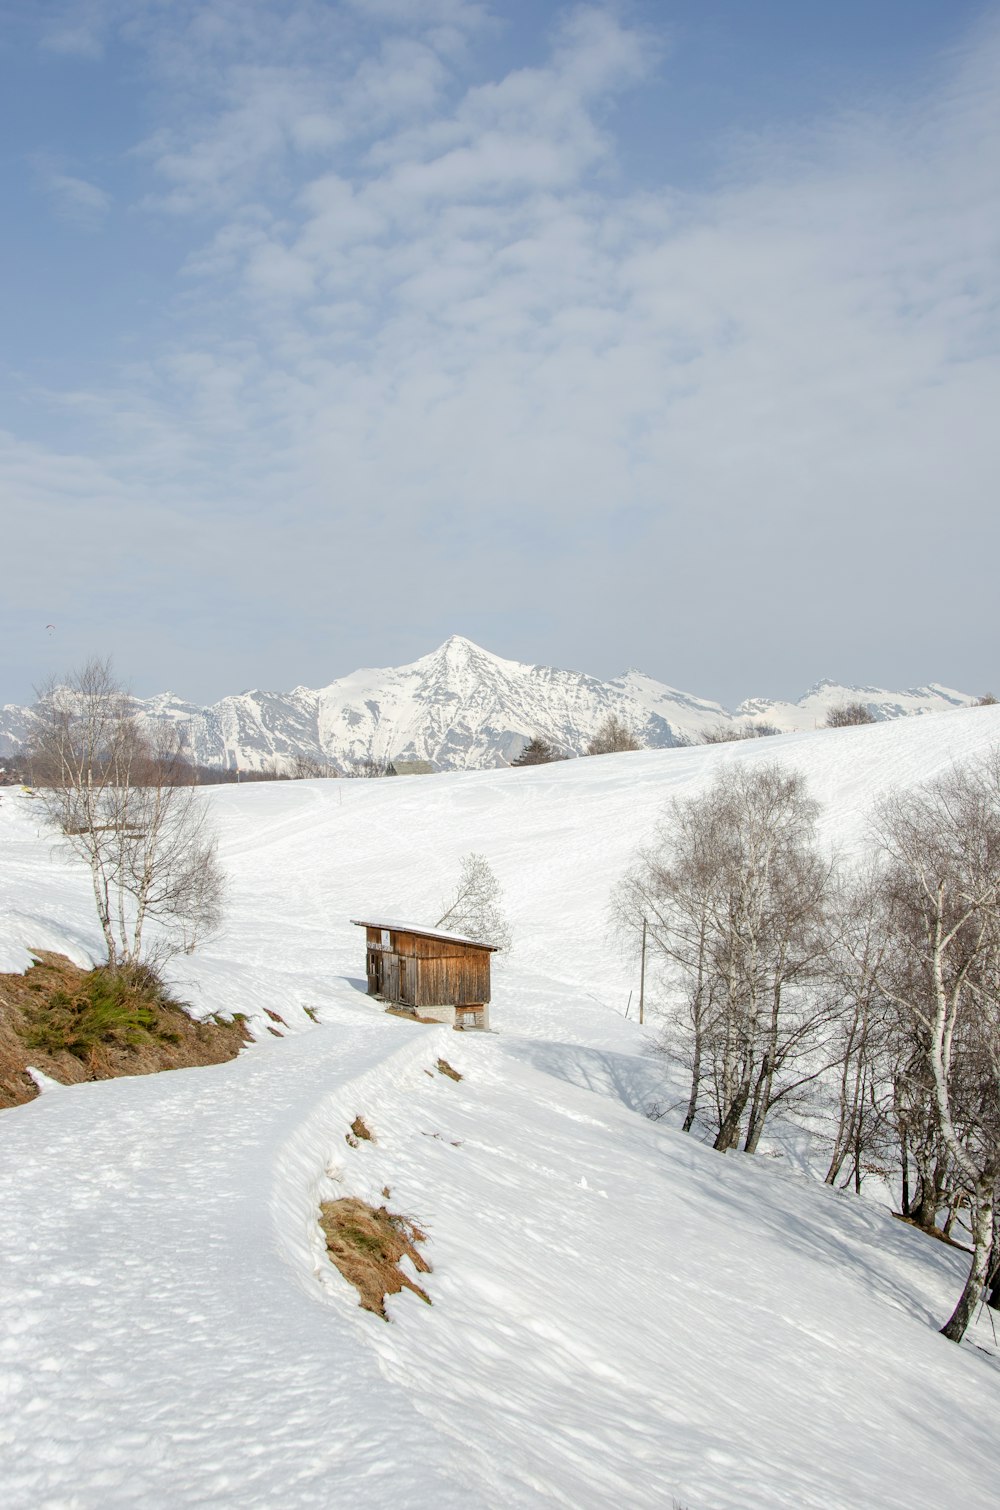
(657, 334)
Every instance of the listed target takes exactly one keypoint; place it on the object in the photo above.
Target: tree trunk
(729, 1132)
(692, 1105)
(847, 1116)
(982, 1242)
(993, 1278)
(759, 1109)
(925, 1209)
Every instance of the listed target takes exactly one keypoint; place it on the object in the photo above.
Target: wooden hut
(435, 974)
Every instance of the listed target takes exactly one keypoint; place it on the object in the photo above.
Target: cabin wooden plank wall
(423, 972)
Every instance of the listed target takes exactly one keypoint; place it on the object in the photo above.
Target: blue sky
(642, 334)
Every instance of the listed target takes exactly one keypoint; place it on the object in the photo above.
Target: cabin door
(408, 981)
(390, 977)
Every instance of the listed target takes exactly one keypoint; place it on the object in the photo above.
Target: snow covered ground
(620, 1316)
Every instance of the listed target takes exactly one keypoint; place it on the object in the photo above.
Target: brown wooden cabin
(435, 974)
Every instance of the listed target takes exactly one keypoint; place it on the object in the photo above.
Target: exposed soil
(76, 1025)
(360, 1129)
(935, 1232)
(411, 1016)
(444, 1068)
(366, 1244)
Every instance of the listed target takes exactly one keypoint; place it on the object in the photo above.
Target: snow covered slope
(463, 708)
(620, 1316)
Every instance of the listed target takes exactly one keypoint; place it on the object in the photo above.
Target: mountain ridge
(462, 707)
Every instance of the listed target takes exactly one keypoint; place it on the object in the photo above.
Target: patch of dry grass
(444, 1068)
(360, 1132)
(366, 1244)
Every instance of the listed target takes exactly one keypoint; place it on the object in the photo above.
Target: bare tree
(475, 910)
(941, 859)
(774, 947)
(848, 714)
(116, 797)
(863, 1048)
(734, 894)
(986, 701)
(670, 892)
(613, 736)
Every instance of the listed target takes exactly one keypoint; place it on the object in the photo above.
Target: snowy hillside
(620, 1316)
(463, 708)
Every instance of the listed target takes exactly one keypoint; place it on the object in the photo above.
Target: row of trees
(869, 993)
(615, 735)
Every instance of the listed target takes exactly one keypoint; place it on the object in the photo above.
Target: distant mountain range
(462, 707)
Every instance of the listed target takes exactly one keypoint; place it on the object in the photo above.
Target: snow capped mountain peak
(457, 646)
(463, 658)
(458, 656)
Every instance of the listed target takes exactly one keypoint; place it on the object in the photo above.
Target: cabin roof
(395, 926)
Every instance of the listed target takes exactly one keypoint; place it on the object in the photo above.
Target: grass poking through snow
(78, 1025)
(366, 1244)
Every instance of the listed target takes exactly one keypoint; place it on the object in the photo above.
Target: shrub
(846, 715)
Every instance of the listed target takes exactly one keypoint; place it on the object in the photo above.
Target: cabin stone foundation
(446, 1014)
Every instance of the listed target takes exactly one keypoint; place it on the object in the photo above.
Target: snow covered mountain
(462, 707)
(811, 709)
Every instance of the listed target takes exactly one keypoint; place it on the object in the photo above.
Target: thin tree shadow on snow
(632, 1079)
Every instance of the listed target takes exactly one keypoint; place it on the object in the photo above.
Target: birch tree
(476, 907)
(860, 1050)
(671, 888)
(733, 892)
(941, 859)
(123, 803)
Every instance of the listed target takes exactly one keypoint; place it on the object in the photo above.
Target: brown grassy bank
(77, 1025)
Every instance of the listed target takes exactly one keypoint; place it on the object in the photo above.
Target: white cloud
(73, 199)
(463, 15)
(435, 312)
(77, 29)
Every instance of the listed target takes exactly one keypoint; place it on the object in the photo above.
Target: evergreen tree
(538, 751)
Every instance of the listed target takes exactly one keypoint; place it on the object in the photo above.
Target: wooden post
(642, 976)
